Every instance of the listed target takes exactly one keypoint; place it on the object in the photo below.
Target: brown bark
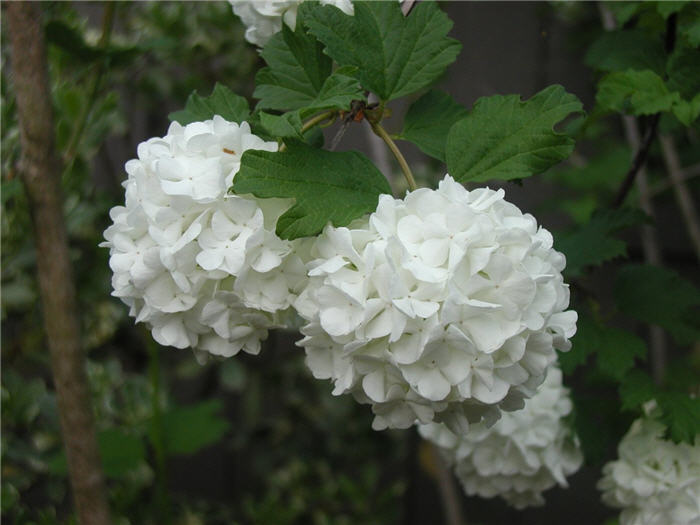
(40, 172)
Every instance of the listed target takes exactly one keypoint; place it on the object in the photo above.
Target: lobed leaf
(297, 69)
(222, 101)
(684, 72)
(327, 186)
(506, 138)
(635, 92)
(615, 350)
(627, 49)
(660, 296)
(681, 415)
(428, 122)
(593, 243)
(636, 389)
(282, 126)
(395, 55)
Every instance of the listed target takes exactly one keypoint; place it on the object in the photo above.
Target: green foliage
(222, 101)
(506, 138)
(300, 77)
(644, 92)
(594, 243)
(332, 187)
(296, 70)
(395, 55)
(684, 72)
(187, 429)
(120, 452)
(681, 415)
(615, 350)
(636, 389)
(689, 24)
(660, 296)
(635, 92)
(627, 49)
(71, 40)
(428, 122)
(599, 426)
(283, 126)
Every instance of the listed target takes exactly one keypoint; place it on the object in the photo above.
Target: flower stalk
(381, 132)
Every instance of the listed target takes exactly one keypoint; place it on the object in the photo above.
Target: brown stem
(686, 174)
(638, 162)
(39, 170)
(650, 243)
(449, 493)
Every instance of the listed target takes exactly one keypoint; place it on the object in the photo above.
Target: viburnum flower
(181, 243)
(523, 454)
(444, 305)
(264, 18)
(654, 481)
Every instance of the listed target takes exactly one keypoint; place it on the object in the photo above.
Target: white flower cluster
(654, 481)
(202, 267)
(525, 453)
(447, 305)
(264, 18)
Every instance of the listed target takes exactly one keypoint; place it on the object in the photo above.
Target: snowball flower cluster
(654, 481)
(202, 267)
(264, 18)
(446, 305)
(525, 453)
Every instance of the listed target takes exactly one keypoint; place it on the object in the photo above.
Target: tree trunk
(40, 172)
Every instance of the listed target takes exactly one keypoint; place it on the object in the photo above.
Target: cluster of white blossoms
(446, 305)
(264, 18)
(654, 481)
(525, 453)
(202, 267)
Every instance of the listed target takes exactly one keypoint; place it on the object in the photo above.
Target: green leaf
(71, 40)
(681, 414)
(187, 429)
(660, 296)
(395, 55)
(120, 451)
(687, 112)
(582, 345)
(222, 101)
(282, 126)
(327, 186)
(624, 11)
(635, 92)
(505, 138)
(428, 122)
(684, 72)
(627, 49)
(617, 351)
(636, 389)
(689, 24)
(592, 243)
(297, 69)
(337, 92)
(666, 8)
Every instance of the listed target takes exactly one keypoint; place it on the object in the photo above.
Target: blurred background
(255, 439)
